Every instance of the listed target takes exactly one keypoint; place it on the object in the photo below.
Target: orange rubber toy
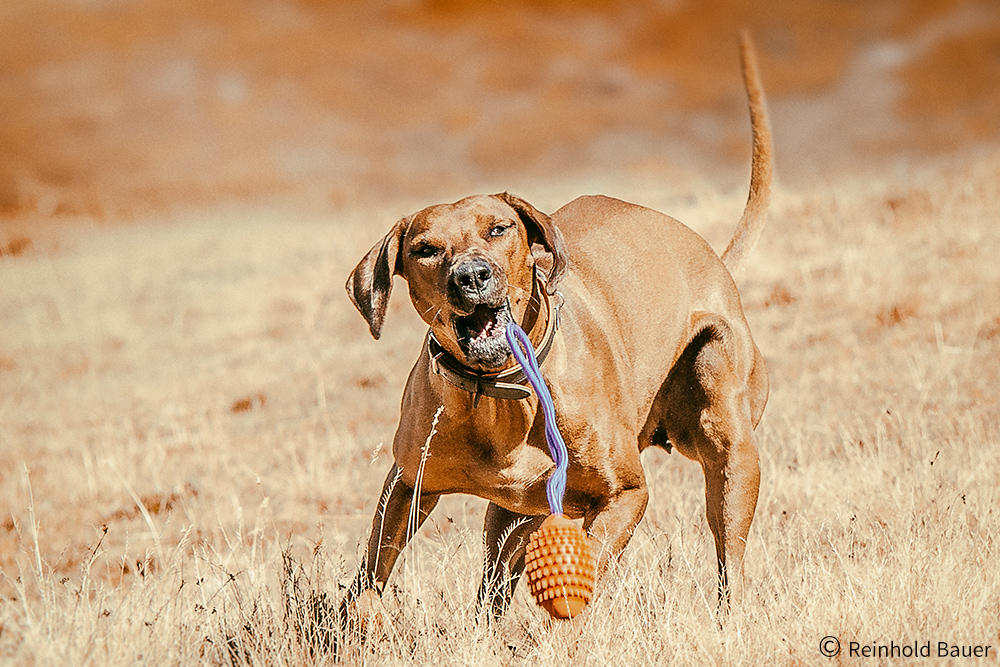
(560, 567)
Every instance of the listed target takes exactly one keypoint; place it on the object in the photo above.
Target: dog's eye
(499, 230)
(425, 251)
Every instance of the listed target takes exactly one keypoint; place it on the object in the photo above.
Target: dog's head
(463, 262)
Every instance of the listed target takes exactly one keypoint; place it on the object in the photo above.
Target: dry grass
(192, 421)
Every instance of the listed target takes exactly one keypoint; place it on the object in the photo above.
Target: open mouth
(481, 334)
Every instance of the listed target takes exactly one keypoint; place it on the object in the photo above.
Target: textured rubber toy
(560, 567)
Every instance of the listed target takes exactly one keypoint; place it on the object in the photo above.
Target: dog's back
(660, 271)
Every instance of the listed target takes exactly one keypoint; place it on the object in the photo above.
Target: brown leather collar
(508, 385)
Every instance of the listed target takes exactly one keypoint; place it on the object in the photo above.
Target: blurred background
(112, 109)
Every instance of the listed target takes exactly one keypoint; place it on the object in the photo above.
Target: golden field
(195, 423)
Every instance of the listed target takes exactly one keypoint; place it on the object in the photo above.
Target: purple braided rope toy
(555, 488)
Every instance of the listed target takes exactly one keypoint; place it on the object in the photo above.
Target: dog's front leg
(610, 525)
(392, 527)
(505, 536)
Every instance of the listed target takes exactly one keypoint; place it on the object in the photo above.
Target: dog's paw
(366, 615)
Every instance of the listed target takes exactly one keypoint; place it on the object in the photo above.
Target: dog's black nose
(472, 277)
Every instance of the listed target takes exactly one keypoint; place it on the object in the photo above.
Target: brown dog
(643, 342)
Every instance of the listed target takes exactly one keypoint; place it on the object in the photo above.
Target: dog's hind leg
(732, 479)
(705, 409)
(505, 536)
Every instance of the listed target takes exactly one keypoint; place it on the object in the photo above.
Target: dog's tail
(761, 170)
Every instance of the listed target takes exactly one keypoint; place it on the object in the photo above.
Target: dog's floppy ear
(541, 230)
(370, 282)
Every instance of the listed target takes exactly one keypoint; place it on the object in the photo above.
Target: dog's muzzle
(482, 313)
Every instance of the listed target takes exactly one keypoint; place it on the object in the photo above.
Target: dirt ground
(186, 394)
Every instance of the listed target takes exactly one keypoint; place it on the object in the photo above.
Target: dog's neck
(537, 316)
(541, 321)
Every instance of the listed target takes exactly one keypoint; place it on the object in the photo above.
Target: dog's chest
(505, 470)
(498, 452)
(515, 477)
